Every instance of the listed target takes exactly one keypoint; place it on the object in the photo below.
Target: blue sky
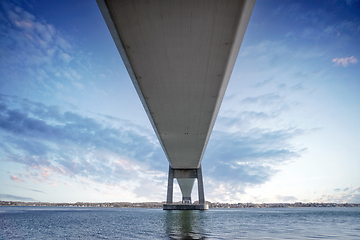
(72, 127)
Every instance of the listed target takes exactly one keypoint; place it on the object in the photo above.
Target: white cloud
(264, 48)
(64, 56)
(30, 43)
(16, 179)
(122, 153)
(344, 61)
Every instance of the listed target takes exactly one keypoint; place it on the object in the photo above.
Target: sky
(72, 128)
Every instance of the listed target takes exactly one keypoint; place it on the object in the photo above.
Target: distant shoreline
(160, 204)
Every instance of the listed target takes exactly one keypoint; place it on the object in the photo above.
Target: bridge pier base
(186, 201)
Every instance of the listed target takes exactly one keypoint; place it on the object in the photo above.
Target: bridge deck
(179, 55)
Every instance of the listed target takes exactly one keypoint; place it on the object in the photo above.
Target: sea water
(135, 223)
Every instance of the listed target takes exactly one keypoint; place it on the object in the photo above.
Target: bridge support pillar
(186, 201)
(200, 186)
(169, 198)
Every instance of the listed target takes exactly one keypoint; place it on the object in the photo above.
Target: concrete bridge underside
(179, 55)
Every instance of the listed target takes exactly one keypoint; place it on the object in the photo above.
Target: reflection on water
(185, 224)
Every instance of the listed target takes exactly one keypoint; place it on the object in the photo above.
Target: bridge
(180, 55)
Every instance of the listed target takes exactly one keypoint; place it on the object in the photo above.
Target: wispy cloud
(37, 41)
(16, 179)
(15, 198)
(235, 161)
(29, 189)
(265, 48)
(266, 99)
(253, 146)
(342, 195)
(339, 198)
(39, 57)
(245, 148)
(344, 61)
(263, 83)
(50, 142)
(317, 23)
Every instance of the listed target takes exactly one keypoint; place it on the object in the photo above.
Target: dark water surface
(131, 223)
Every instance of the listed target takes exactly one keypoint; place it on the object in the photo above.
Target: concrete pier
(189, 175)
(169, 198)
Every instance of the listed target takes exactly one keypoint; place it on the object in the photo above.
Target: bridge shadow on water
(185, 224)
